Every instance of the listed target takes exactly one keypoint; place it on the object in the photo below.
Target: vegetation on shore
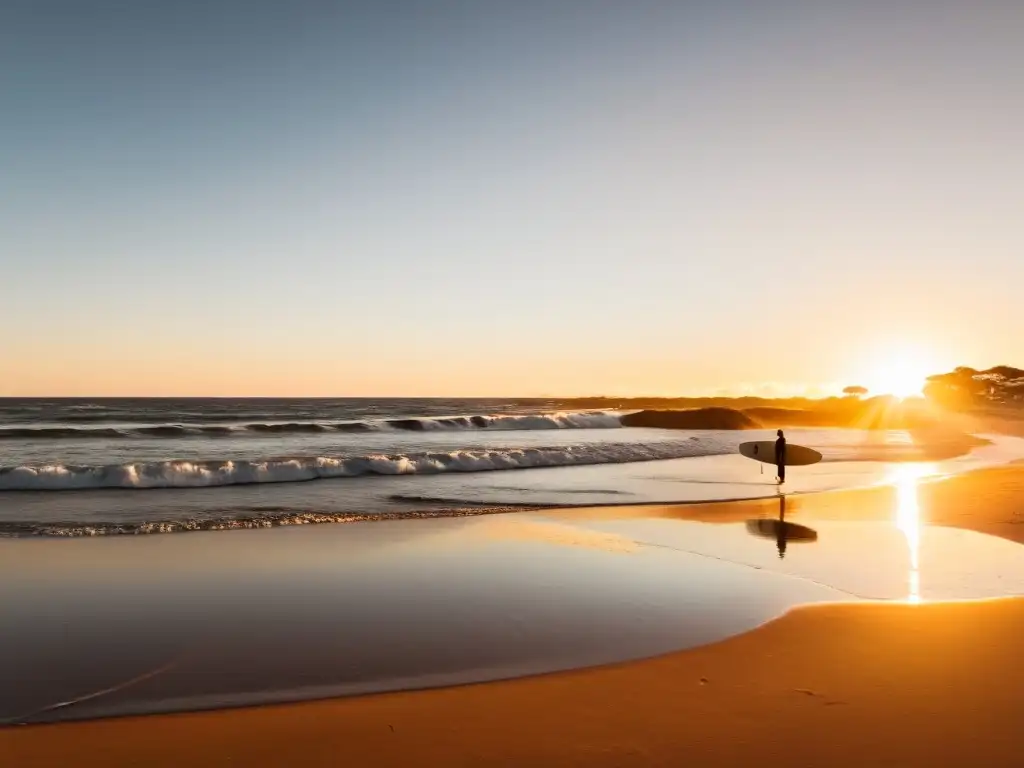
(996, 391)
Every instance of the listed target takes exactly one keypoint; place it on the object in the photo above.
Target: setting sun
(900, 377)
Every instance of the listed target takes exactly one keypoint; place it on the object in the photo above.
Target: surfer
(780, 457)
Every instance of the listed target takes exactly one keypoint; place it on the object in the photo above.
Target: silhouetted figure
(780, 457)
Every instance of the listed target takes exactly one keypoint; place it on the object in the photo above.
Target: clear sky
(506, 198)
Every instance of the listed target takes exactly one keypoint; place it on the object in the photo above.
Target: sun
(897, 367)
(901, 377)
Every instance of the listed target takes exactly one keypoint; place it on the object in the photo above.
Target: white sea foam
(205, 474)
(194, 474)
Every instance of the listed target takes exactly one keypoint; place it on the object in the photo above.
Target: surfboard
(764, 450)
(771, 528)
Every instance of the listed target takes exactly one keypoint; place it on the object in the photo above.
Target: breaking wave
(207, 474)
(538, 421)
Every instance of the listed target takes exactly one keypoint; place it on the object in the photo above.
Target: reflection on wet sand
(783, 532)
(906, 479)
(908, 519)
(253, 617)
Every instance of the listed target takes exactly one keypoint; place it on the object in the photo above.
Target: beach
(520, 384)
(841, 684)
(526, 384)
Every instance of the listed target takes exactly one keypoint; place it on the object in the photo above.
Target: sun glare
(902, 377)
(908, 519)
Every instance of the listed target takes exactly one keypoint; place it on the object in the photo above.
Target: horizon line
(840, 396)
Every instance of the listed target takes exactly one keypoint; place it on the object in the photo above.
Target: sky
(506, 198)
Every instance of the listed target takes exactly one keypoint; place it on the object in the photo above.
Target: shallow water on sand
(97, 627)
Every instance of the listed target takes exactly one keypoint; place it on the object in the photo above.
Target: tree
(855, 390)
(1005, 371)
(966, 387)
(957, 389)
(1003, 384)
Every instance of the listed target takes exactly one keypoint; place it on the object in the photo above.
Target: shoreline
(192, 511)
(641, 712)
(458, 508)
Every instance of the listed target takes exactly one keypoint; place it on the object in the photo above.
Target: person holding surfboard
(780, 453)
(780, 456)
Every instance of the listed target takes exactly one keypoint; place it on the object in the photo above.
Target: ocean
(75, 467)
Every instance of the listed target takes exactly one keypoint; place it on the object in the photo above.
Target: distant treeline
(994, 391)
(961, 389)
(965, 388)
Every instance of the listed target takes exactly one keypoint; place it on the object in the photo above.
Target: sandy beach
(520, 384)
(879, 684)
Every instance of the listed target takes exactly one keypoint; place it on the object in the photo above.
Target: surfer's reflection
(780, 530)
(780, 535)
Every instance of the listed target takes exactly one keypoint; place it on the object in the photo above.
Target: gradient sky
(506, 198)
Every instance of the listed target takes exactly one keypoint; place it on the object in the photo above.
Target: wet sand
(155, 624)
(933, 684)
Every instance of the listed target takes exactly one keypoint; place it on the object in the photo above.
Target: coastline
(801, 689)
(835, 685)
